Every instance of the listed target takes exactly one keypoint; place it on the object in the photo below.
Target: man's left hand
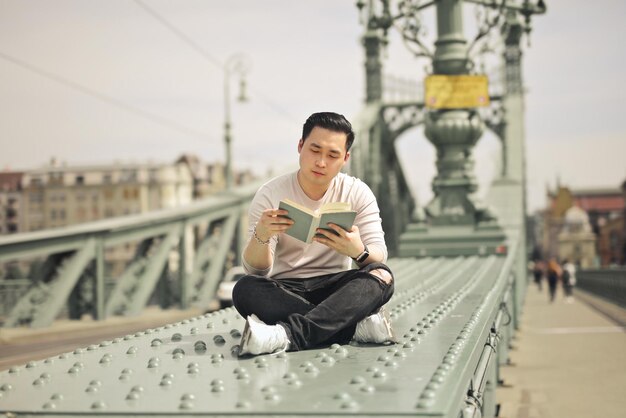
(344, 242)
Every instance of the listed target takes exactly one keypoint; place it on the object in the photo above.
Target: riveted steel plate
(439, 312)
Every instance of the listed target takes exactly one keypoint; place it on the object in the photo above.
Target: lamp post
(235, 65)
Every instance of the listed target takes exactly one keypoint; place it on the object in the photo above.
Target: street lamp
(236, 65)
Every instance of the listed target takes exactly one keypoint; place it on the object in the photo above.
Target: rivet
(199, 347)
(349, 405)
(166, 382)
(342, 396)
(272, 397)
(177, 337)
(188, 397)
(92, 347)
(132, 396)
(424, 403)
(95, 383)
(45, 375)
(242, 405)
(14, 370)
(428, 394)
(294, 382)
(193, 364)
(391, 363)
(49, 405)
(73, 370)
(219, 340)
(39, 382)
(91, 389)
(98, 405)
(137, 389)
(186, 405)
(225, 321)
(357, 380)
(368, 389)
(311, 370)
(156, 342)
(30, 364)
(79, 351)
(235, 333)
(328, 360)
(56, 397)
(209, 325)
(49, 360)
(380, 375)
(132, 350)
(217, 388)
(194, 331)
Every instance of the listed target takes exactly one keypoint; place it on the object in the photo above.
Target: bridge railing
(608, 283)
(180, 255)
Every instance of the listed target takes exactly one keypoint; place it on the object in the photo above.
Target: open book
(307, 221)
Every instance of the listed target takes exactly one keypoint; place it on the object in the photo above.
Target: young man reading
(297, 295)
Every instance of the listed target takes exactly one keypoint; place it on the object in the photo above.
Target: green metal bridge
(460, 272)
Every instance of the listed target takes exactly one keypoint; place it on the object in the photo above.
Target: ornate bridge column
(456, 224)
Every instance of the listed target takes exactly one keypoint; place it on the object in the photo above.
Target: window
(80, 179)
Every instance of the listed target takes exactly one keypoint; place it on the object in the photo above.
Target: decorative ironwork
(400, 118)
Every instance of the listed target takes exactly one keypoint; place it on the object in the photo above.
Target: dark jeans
(315, 311)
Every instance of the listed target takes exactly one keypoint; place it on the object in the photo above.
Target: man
(299, 295)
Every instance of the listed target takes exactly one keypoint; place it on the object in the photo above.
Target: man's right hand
(272, 222)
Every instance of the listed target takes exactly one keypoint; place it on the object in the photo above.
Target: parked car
(225, 288)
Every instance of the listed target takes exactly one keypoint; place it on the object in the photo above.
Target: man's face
(322, 155)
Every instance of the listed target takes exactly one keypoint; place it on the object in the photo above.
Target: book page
(335, 207)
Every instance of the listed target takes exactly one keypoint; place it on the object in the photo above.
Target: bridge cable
(193, 45)
(108, 99)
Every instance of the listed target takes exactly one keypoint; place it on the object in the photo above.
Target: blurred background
(131, 87)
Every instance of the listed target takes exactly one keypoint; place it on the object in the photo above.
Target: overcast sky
(94, 81)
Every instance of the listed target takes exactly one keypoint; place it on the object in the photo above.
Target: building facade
(10, 202)
(57, 196)
(605, 210)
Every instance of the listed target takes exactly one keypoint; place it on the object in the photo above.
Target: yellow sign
(456, 91)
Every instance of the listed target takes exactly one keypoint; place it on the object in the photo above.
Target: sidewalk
(568, 360)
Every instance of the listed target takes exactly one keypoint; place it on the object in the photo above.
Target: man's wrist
(363, 255)
(259, 238)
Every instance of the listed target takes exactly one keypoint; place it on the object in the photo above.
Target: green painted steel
(43, 301)
(75, 260)
(608, 283)
(449, 314)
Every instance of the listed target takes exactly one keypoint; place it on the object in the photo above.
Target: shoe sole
(245, 336)
(387, 319)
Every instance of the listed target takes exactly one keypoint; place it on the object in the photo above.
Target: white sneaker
(260, 338)
(376, 328)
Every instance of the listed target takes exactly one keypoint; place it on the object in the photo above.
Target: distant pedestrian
(554, 273)
(569, 280)
(538, 271)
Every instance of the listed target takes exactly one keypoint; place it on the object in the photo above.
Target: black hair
(331, 121)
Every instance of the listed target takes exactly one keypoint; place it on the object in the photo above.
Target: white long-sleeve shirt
(296, 259)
